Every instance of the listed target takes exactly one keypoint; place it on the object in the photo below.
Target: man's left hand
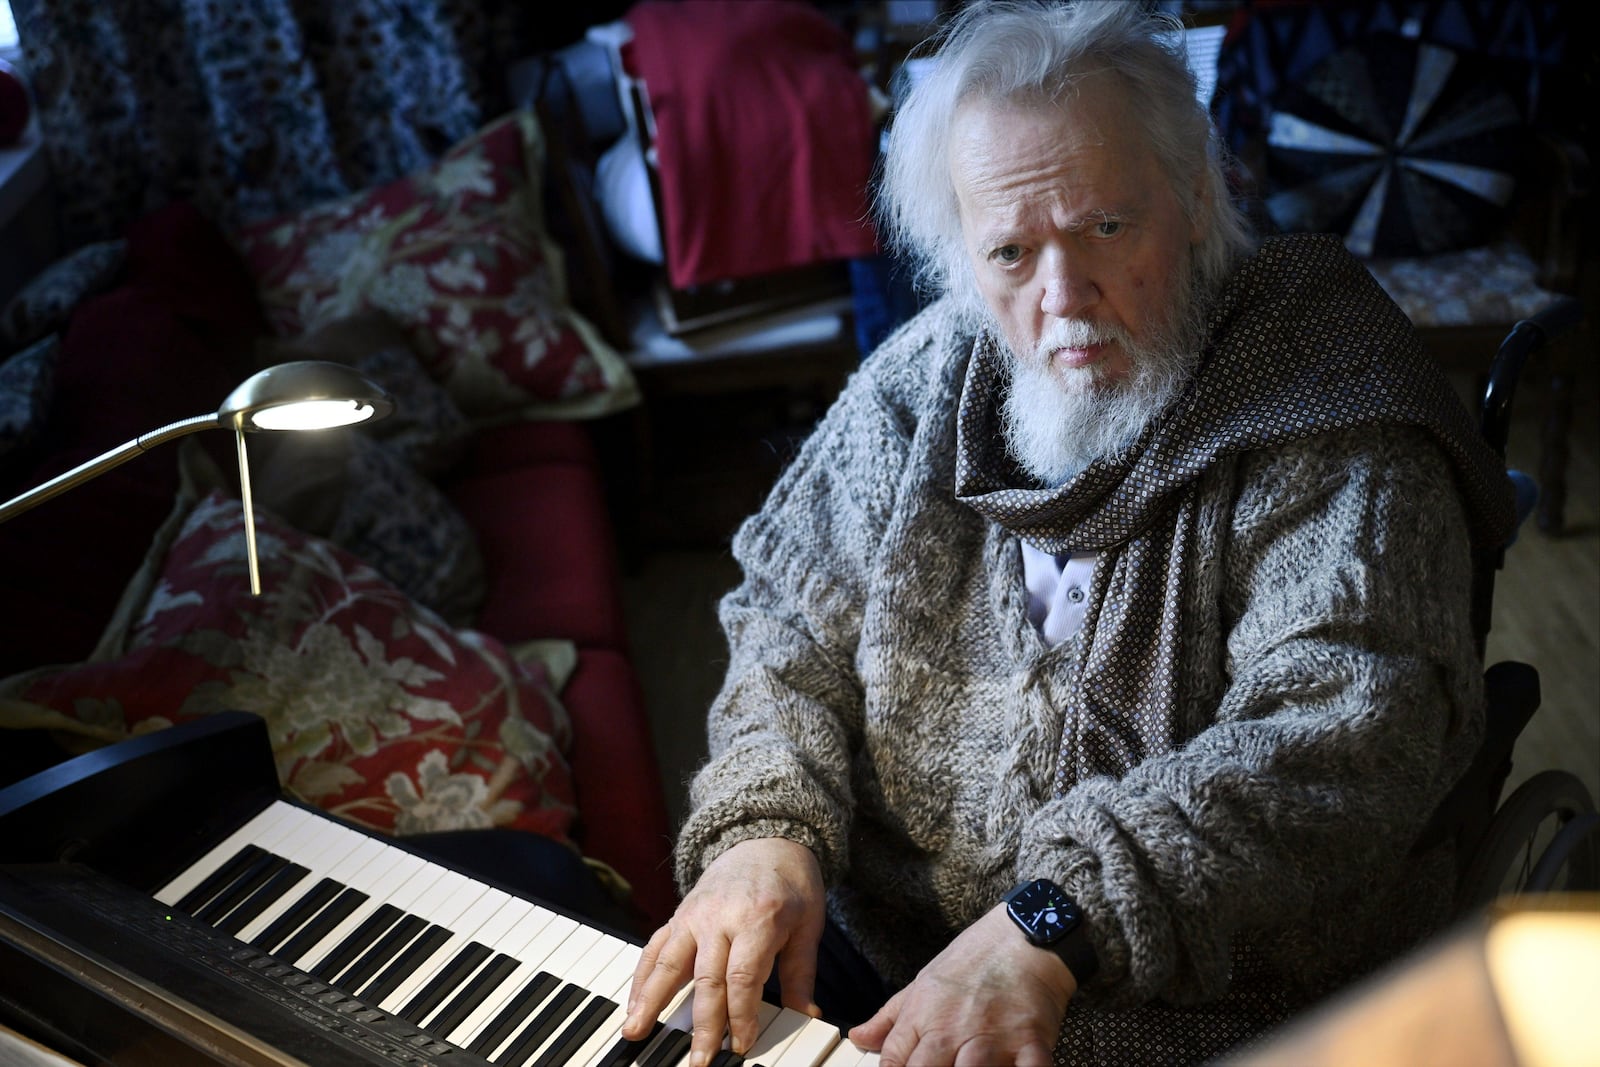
(990, 997)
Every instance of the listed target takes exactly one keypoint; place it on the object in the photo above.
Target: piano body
(161, 902)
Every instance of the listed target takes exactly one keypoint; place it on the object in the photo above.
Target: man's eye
(1107, 227)
(1007, 253)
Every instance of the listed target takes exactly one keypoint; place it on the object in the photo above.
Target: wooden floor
(1547, 607)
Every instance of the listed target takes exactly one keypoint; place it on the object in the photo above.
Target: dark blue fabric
(883, 298)
(848, 989)
(532, 866)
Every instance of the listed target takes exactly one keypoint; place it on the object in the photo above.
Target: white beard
(1058, 421)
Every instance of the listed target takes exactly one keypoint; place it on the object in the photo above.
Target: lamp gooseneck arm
(106, 461)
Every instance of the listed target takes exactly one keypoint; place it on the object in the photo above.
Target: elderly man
(1103, 652)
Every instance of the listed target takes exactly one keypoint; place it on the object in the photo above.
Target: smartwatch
(1051, 919)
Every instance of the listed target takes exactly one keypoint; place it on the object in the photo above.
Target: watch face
(1043, 910)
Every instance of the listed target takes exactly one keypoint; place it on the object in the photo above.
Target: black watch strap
(1052, 920)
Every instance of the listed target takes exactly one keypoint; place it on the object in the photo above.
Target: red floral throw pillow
(456, 253)
(378, 711)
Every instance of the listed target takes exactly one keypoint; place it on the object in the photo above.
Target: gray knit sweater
(888, 703)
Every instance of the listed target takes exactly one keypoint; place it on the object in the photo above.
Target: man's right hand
(760, 900)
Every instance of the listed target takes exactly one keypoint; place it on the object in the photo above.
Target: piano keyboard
(340, 913)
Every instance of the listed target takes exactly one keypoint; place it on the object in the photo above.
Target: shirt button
(1075, 594)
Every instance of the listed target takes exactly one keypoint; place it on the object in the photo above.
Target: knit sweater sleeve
(1351, 700)
(788, 717)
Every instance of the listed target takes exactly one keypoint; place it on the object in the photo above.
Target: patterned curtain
(253, 107)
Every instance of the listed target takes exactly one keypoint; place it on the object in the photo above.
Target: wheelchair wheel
(1544, 838)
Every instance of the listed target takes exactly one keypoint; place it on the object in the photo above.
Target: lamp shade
(304, 395)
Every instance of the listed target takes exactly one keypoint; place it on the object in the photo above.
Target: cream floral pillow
(378, 711)
(458, 255)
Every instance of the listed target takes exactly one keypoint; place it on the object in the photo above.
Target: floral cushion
(45, 303)
(378, 711)
(456, 253)
(1492, 285)
(27, 382)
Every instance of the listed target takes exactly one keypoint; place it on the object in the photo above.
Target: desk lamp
(303, 395)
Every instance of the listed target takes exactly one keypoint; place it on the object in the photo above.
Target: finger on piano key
(263, 823)
(675, 1017)
(777, 1036)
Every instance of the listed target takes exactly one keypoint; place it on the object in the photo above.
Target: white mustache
(1078, 333)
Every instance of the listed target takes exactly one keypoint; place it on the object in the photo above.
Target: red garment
(763, 135)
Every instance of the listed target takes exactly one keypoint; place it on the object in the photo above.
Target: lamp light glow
(312, 415)
(301, 395)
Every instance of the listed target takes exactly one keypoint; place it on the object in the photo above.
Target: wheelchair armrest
(1511, 696)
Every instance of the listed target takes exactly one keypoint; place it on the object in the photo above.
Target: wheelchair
(1545, 837)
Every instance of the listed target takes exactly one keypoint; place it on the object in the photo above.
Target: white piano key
(778, 1036)
(611, 983)
(328, 843)
(544, 941)
(416, 877)
(810, 1047)
(562, 962)
(389, 867)
(844, 1054)
(270, 821)
(464, 927)
(446, 904)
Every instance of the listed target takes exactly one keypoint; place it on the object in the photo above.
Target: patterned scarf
(1303, 342)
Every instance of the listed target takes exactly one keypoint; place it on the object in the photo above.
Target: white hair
(1006, 50)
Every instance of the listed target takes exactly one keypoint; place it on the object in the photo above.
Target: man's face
(1076, 239)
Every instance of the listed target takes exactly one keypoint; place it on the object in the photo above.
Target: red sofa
(169, 340)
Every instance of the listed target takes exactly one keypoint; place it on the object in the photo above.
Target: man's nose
(1067, 289)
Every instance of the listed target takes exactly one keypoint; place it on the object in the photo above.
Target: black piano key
(514, 1013)
(253, 878)
(360, 939)
(405, 964)
(552, 1016)
(450, 977)
(624, 1052)
(279, 930)
(475, 992)
(220, 878)
(726, 1058)
(580, 1029)
(674, 1047)
(312, 933)
(271, 891)
(386, 948)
